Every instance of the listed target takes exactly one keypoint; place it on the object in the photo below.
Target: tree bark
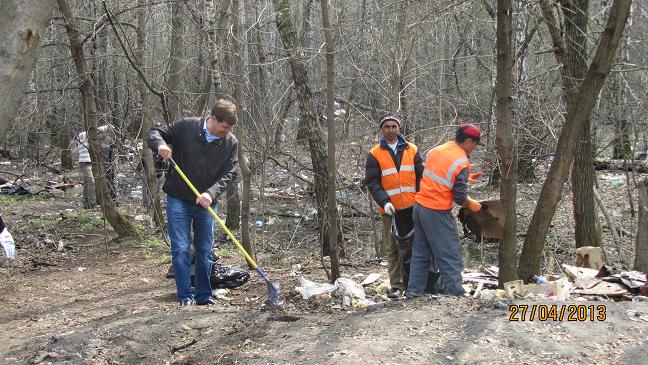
(22, 24)
(506, 145)
(117, 221)
(176, 58)
(641, 248)
(283, 19)
(587, 231)
(148, 168)
(576, 120)
(246, 174)
(330, 121)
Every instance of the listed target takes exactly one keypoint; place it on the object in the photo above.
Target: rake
(274, 300)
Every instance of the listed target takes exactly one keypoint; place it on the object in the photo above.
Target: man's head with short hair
(225, 111)
(468, 136)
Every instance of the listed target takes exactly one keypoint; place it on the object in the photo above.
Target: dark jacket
(209, 166)
(373, 173)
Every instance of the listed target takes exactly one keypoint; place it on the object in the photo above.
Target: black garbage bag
(402, 229)
(221, 276)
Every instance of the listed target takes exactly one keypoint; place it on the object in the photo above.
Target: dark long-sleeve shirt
(210, 166)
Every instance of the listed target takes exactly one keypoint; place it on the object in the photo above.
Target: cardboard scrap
(589, 257)
(604, 288)
(574, 272)
(371, 278)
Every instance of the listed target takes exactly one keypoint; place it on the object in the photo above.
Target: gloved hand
(7, 242)
(473, 205)
(389, 209)
(473, 178)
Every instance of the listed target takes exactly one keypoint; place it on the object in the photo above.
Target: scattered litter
(383, 287)
(370, 279)
(81, 269)
(311, 288)
(634, 315)
(350, 288)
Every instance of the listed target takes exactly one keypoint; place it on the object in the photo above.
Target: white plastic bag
(350, 288)
(311, 288)
(8, 244)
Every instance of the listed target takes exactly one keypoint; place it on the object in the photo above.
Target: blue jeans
(182, 216)
(436, 241)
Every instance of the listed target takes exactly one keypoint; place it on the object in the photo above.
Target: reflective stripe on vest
(400, 185)
(447, 181)
(443, 164)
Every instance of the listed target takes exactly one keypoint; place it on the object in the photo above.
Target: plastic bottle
(540, 279)
(8, 244)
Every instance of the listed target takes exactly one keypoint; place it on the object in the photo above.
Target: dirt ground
(74, 295)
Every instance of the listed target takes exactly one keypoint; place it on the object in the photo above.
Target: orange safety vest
(442, 166)
(400, 185)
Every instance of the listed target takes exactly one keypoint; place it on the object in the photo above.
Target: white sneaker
(8, 244)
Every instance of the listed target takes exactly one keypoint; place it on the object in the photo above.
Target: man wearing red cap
(436, 241)
(393, 173)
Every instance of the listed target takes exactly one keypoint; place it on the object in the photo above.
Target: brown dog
(487, 223)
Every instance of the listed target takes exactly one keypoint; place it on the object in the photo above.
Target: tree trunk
(576, 120)
(176, 58)
(506, 143)
(246, 174)
(641, 251)
(316, 143)
(148, 168)
(118, 222)
(587, 231)
(398, 61)
(22, 24)
(330, 121)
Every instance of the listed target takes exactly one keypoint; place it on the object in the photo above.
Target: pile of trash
(346, 292)
(589, 279)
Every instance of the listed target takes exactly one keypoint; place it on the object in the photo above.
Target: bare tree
(283, 19)
(577, 118)
(22, 24)
(120, 224)
(506, 145)
(246, 174)
(330, 116)
(641, 252)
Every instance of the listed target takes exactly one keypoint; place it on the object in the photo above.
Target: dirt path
(121, 310)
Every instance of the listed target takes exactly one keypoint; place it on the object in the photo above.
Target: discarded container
(8, 244)
(311, 288)
(383, 287)
(258, 224)
(515, 289)
(350, 288)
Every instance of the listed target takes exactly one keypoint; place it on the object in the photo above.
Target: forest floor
(75, 294)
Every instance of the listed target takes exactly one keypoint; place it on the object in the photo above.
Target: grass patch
(165, 259)
(41, 223)
(7, 200)
(88, 222)
(154, 242)
(147, 256)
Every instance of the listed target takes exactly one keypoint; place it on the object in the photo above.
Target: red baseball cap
(470, 130)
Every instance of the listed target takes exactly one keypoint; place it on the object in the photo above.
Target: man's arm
(418, 168)
(372, 177)
(162, 135)
(460, 192)
(229, 177)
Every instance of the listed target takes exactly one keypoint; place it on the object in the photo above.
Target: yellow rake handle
(220, 222)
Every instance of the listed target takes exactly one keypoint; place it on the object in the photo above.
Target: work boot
(394, 293)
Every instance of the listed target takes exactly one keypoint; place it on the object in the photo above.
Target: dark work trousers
(435, 242)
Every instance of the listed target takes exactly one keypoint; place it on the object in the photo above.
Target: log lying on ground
(612, 164)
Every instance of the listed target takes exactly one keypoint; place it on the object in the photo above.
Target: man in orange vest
(393, 173)
(436, 241)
